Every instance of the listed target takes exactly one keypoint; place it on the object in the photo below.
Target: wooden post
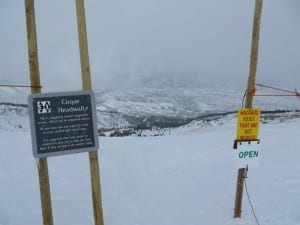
(87, 85)
(254, 53)
(249, 99)
(35, 88)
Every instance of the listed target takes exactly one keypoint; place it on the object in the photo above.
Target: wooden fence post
(36, 88)
(87, 85)
(249, 99)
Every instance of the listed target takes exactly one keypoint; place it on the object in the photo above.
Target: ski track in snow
(187, 178)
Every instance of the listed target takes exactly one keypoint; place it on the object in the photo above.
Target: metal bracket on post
(246, 172)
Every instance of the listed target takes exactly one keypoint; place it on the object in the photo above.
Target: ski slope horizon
(187, 177)
(165, 100)
(127, 107)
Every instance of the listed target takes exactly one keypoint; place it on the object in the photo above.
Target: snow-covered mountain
(166, 102)
(131, 107)
(189, 102)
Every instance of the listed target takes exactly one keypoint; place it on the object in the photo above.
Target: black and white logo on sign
(43, 107)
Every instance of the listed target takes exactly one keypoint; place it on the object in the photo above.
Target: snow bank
(187, 178)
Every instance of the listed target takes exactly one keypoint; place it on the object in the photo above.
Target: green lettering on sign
(249, 154)
(241, 155)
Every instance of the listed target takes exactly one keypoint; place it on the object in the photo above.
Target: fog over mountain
(134, 43)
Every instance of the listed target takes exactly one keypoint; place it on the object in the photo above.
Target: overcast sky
(133, 41)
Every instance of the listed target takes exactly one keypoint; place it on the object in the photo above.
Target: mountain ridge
(163, 105)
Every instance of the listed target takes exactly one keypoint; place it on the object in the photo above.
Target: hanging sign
(248, 124)
(247, 154)
(63, 123)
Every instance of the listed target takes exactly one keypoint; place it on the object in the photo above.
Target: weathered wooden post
(249, 99)
(36, 88)
(87, 85)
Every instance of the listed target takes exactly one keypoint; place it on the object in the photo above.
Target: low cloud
(134, 42)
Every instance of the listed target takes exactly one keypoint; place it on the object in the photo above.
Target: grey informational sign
(63, 123)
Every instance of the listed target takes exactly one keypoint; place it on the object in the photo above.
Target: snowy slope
(186, 178)
(14, 95)
(14, 116)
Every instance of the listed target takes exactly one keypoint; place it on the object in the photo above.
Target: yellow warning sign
(248, 124)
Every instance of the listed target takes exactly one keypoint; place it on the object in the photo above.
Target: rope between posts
(291, 93)
(20, 86)
(275, 88)
(253, 92)
(250, 203)
(274, 95)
